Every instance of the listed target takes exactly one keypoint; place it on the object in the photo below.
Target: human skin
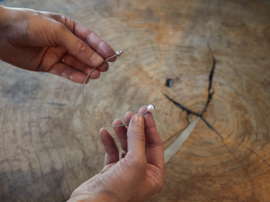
(38, 41)
(138, 174)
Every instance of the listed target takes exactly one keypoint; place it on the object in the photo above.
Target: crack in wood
(211, 92)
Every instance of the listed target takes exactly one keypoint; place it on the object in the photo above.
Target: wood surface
(49, 145)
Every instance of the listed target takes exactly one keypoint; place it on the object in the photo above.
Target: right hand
(138, 175)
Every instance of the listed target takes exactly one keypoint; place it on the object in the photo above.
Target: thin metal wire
(118, 53)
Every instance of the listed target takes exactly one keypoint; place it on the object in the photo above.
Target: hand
(138, 175)
(38, 41)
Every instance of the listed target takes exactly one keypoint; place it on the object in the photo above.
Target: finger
(121, 133)
(65, 71)
(111, 150)
(104, 67)
(93, 40)
(154, 145)
(76, 64)
(150, 127)
(128, 116)
(76, 47)
(136, 140)
(86, 35)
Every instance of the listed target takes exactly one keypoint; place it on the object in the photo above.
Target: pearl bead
(118, 53)
(151, 108)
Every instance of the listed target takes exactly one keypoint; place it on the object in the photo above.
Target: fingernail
(138, 120)
(105, 48)
(128, 113)
(101, 129)
(116, 121)
(96, 59)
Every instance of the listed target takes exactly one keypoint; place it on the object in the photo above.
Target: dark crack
(211, 92)
(209, 98)
(181, 106)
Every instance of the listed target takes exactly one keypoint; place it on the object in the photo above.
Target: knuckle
(58, 17)
(70, 24)
(81, 46)
(138, 133)
(61, 18)
(58, 34)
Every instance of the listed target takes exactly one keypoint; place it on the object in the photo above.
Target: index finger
(94, 41)
(86, 35)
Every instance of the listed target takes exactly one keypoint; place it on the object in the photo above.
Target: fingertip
(128, 116)
(129, 112)
(95, 74)
(77, 77)
(104, 67)
(96, 59)
(105, 50)
(142, 109)
(102, 131)
(117, 122)
(100, 46)
(105, 136)
(87, 80)
(111, 150)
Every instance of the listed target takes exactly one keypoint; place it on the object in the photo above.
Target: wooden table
(49, 145)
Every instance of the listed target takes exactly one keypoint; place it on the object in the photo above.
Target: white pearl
(151, 108)
(118, 53)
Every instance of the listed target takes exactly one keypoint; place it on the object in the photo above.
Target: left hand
(53, 43)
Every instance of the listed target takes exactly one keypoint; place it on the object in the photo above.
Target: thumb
(136, 137)
(77, 48)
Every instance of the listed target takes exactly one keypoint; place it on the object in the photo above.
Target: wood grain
(49, 146)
